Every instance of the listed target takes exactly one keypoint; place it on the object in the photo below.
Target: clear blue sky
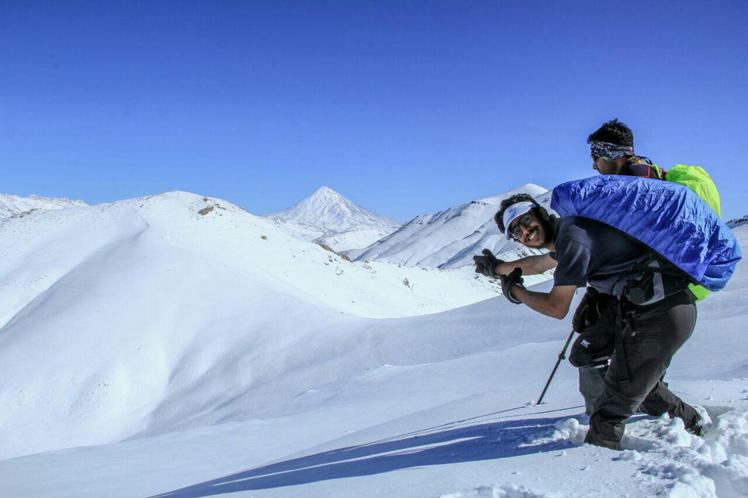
(404, 107)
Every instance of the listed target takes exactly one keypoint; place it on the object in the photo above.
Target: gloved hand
(587, 312)
(509, 281)
(486, 264)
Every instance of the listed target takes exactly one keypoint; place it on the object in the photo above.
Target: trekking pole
(561, 356)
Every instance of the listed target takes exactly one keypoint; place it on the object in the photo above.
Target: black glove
(509, 281)
(587, 312)
(486, 264)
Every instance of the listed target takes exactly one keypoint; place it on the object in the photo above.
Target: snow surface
(177, 346)
(330, 219)
(450, 238)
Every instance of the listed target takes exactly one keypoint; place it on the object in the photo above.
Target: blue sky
(404, 107)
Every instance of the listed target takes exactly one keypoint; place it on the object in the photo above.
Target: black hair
(614, 132)
(539, 211)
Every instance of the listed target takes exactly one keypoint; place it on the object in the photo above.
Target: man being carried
(644, 332)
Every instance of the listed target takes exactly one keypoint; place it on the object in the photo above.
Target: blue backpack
(665, 216)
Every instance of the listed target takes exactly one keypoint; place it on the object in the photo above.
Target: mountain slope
(450, 238)
(332, 220)
(13, 205)
(126, 306)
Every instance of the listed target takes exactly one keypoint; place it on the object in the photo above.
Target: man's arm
(554, 304)
(530, 265)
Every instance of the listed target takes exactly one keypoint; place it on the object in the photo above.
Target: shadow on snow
(465, 444)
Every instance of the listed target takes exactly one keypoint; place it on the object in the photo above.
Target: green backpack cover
(697, 179)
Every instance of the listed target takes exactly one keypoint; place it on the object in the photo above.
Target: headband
(515, 211)
(609, 150)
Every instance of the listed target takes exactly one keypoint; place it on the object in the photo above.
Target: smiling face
(528, 230)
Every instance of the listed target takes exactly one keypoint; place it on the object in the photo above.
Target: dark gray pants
(591, 385)
(646, 338)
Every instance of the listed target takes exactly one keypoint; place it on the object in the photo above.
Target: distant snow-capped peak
(330, 219)
(331, 213)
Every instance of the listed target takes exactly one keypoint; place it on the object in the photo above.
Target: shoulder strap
(643, 167)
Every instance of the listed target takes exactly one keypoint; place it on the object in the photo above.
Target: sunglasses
(523, 221)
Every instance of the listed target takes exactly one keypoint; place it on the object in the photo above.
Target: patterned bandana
(609, 150)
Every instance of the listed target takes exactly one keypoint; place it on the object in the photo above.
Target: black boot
(695, 426)
(605, 432)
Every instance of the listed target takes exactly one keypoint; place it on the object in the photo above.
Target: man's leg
(662, 400)
(591, 385)
(642, 355)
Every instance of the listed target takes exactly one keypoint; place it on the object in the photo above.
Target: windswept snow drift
(227, 357)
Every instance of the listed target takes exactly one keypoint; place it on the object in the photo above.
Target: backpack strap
(651, 279)
(643, 167)
(660, 279)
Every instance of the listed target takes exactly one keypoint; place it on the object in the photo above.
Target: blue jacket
(669, 218)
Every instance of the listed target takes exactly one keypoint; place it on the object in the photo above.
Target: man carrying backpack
(644, 328)
(612, 151)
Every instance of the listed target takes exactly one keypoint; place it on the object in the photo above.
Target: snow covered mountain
(450, 238)
(330, 219)
(109, 300)
(13, 205)
(177, 346)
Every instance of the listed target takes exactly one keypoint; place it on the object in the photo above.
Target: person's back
(590, 252)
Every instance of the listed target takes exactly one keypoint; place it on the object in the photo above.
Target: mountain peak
(324, 199)
(327, 195)
(325, 190)
(330, 212)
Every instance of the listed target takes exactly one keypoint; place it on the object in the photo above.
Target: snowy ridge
(450, 238)
(329, 218)
(13, 205)
(737, 222)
